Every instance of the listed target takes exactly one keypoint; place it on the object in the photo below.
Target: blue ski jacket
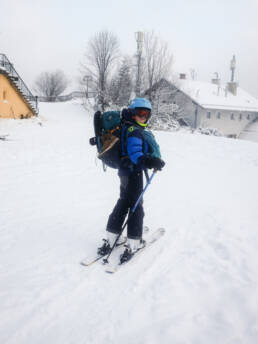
(134, 147)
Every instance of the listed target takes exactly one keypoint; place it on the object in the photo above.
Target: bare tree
(51, 84)
(157, 61)
(157, 71)
(101, 53)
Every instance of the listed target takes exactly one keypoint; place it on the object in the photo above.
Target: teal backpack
(109, 132)
(107, 128)
(110, 120)
(154, 147)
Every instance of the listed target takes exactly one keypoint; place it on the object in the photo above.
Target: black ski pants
(130, 189)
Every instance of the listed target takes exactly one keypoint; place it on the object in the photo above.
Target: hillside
(198, 284)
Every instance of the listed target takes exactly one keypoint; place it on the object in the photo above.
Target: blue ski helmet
(140, 103)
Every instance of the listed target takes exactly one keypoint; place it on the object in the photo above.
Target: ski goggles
(142, 113)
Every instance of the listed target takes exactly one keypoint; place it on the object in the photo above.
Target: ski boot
(131, 248)
(104, 249)
(109, 242)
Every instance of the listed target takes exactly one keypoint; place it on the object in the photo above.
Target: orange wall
(12, 104)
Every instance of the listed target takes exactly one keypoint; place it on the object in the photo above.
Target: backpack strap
(124, 135)
(126, 129)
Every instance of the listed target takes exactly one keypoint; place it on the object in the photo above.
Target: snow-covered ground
(198, 284)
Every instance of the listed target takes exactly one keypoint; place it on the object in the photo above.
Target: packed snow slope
(198, 284)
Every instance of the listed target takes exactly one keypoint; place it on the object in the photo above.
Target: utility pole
(139, 40)
(86, 79)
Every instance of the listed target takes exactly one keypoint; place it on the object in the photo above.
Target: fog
(202, 35)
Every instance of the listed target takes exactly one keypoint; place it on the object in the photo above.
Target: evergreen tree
(121, 85)
(114, 89)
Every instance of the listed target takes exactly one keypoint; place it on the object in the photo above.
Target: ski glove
(153, 162)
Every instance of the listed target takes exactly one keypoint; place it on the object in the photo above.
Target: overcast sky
(40, 35)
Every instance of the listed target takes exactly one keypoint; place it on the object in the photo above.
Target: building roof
(212, 96)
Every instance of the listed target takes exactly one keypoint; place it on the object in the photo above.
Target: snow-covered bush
(209, 131)
(164, 122)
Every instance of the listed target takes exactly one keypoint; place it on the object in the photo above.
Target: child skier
(137, 154)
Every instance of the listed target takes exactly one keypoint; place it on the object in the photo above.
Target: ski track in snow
(197, 284)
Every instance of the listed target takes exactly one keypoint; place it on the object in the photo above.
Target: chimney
(215, 81)
(226, 91)
(232, 87)
(182, 76)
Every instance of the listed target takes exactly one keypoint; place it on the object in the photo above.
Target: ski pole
(105, 261)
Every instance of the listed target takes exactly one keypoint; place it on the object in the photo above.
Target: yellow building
(16, 100)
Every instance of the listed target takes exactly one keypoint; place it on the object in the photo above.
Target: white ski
(151, 238)
(88, 261)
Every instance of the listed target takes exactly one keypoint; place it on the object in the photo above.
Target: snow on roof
(214, 96)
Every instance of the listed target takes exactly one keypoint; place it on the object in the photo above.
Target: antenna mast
(139, 40)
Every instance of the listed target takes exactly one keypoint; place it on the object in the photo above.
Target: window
(208, 114)
(248, 116)
(218, 115)
(232, 116)
(240, 117)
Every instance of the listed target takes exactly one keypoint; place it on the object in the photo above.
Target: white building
(227, 108)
